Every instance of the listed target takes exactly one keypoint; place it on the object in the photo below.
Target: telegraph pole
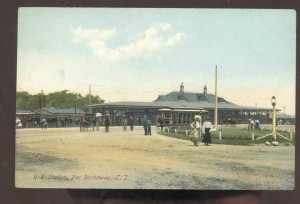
(216, 98)
(90, 99)
(42, 105)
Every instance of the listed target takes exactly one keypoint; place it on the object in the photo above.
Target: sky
(135, 54)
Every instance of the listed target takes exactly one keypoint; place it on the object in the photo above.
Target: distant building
(55, 117)
(181, 100)
(52, 112)
(284, 119)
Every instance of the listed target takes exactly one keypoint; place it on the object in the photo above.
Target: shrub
(235, 136)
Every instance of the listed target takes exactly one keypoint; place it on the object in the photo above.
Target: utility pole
(42, 104)
(90, 99)
(216, 98)
(75, 106)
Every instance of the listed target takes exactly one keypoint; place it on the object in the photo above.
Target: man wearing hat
(196, 125)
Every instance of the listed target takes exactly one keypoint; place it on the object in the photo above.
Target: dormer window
(221, 100)
(180, 97)
(202, 98)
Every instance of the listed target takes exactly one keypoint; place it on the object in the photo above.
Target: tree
(22, 100)
(59, 99)
(26, 101)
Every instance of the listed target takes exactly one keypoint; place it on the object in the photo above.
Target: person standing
(98, 120)
(107, 121)
(124, 123)
(43, 123)
(196, 125)
(149, 127)
(145, 124)
(130, 123)
(161, 122)
(18, 123)
(207, 126)
(250, 124)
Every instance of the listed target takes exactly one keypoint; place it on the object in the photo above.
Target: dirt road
(67, 158)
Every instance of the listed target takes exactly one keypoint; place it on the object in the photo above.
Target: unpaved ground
(67, 158)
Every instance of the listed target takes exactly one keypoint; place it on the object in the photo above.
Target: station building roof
(177, 105)
(281, 115)
(190, 97)
(183, 100)
(52, 110)
(23, 112)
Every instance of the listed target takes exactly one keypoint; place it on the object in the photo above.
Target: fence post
(168, 130)
(186, 132)
(252, 136)
(220, 135)
(175, 131)
(291, 136)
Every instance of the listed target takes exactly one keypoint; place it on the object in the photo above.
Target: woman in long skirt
(207, 126)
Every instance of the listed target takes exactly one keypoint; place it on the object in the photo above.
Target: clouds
(80, 34)
(149, 42)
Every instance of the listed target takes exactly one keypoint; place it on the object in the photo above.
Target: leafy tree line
(59, 99)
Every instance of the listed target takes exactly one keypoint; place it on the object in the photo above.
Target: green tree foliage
(59, 99)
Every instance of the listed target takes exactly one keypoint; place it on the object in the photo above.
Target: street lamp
(274, 133)
(273, 101)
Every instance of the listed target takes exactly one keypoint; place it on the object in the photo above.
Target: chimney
(181, 88)
(205, 90)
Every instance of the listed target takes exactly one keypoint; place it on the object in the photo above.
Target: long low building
(55, 117)
(182, 101)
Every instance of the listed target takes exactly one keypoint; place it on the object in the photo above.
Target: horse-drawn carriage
(87, 121)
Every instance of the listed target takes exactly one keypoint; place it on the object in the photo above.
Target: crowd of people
(95, 123)
(125, 122)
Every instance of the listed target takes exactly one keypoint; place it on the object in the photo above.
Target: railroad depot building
(179, 108)
(55, 117)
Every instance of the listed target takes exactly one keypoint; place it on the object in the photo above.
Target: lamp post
(274, 133)
(273, 101)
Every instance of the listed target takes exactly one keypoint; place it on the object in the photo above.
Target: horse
(229, 122)
(85, 124)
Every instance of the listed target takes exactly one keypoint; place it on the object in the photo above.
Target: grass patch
(235, 136)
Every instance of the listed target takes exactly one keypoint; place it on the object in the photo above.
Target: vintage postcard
(156, 98)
